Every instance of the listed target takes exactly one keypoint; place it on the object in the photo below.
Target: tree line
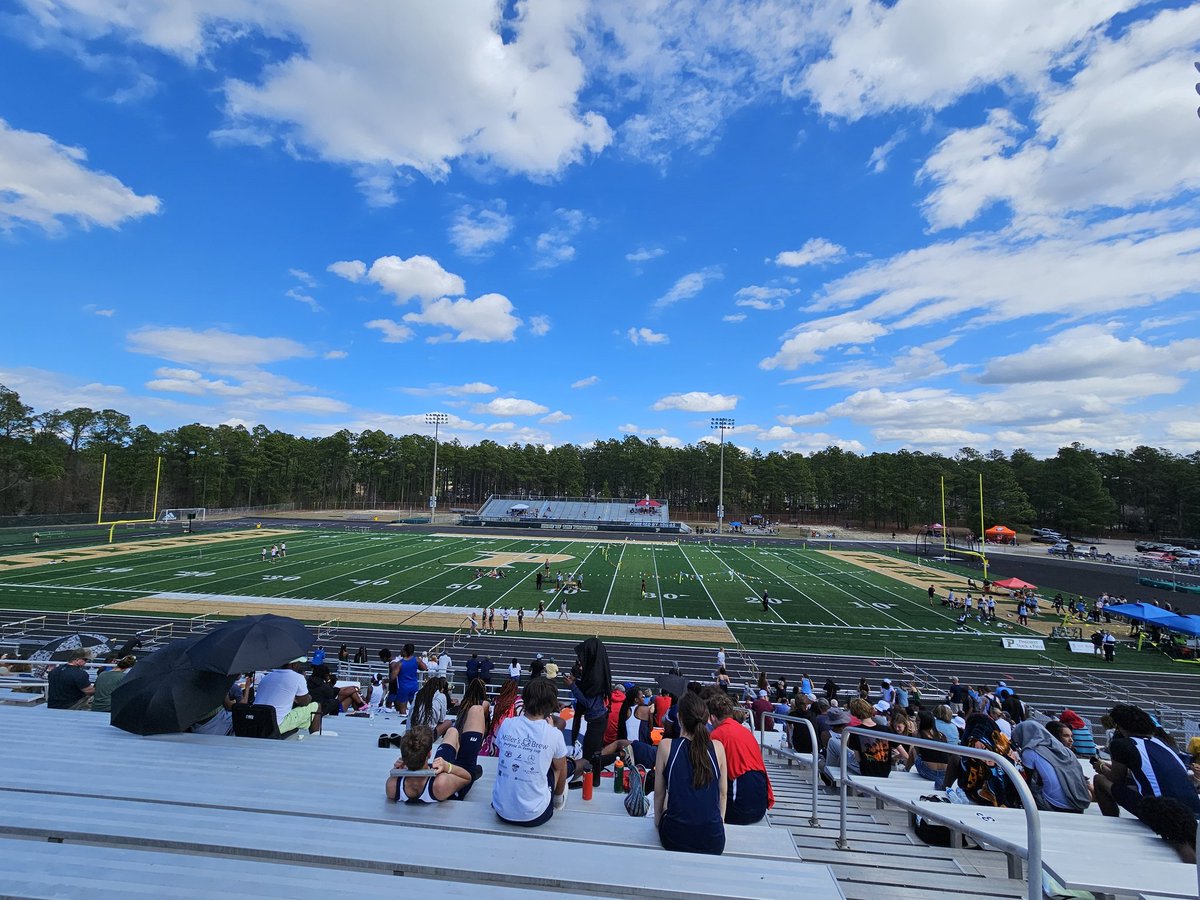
(50, 464)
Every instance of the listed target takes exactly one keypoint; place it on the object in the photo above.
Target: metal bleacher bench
(247, 805)
(1104, 855)
(20, 698)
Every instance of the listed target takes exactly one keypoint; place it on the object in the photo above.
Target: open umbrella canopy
(164, 693)
(520, 506)
(1013, 584)
(675, 685)
(60, 648)
(648, 503)
(251, 643)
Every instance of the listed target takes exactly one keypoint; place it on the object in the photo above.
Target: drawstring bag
(635, 800)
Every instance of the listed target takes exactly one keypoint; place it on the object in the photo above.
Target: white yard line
(692, 565)
(612, 584)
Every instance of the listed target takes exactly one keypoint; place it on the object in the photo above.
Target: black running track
(1048, 690)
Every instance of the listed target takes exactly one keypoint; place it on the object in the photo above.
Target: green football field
(816, 602)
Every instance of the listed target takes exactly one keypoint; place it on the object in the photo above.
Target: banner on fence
(1082, 646)
(1023, 643)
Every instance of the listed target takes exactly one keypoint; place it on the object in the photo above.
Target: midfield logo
(498, 559)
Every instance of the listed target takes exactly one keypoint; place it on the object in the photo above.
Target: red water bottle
(587, 786)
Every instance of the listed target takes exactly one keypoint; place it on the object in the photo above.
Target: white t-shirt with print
(279, 688)
(526, 748)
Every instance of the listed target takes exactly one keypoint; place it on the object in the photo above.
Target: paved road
(1048, 690)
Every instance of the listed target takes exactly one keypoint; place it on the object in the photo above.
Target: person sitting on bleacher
(69, 685)
(431, 704)
(690, 775)
(1143, 765)
(1051, 770)
(983, 783)
(456, 762)
(531, 778)
(1085, 744)
(286, 689)
(749, 793)
(508, 703)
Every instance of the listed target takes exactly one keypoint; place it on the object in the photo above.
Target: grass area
(817, 603)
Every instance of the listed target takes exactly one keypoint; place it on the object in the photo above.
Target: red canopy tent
(648, 503)
(1013, 584)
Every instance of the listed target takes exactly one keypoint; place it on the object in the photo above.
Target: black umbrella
(164, 693)
(251, 643)
(675, 685)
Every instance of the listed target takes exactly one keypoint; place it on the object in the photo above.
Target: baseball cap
(630, 685)
(762, 693)
(882, 706)
(298, 659)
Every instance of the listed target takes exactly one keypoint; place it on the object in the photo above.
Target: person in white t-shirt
(445, 666)
(287, 691)
(533, 768)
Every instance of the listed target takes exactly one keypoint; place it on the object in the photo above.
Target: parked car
(1062, 548)
(1046, 538)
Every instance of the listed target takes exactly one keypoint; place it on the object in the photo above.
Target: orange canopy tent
(1000, 534)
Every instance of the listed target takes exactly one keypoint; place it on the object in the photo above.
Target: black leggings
(593, 738)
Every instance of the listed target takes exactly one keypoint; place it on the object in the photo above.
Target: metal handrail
(1033, 823)
(813, 819)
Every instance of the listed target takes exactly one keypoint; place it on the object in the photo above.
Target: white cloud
(697, 401)
(475, 232)
(417, 276)
(554, 418)
(393, 332)
(806, 343)
(819, 440)
(646, 336)
(645, 432)
(300, 297)
(470, 389)
(351, 270)
(585, 382)
(763, 298)
(213, 346)
(539, 325)
(96, 311)
(645, 254)
(304, 404)
(1091, 351)
(335, 354)
(910, 365)
(1114, 265)
(930, 54)
(1118, 134)
(510, 406)
(486, 319)
(553, 246)
(44, 184)
(814, 252)
(734, 318)
(381, 88)
(688, 286)
(303, 277)
(880, 155)
(818, 418)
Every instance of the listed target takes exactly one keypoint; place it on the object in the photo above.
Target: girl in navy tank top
(689, 801)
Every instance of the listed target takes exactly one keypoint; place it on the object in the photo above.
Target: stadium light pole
(721, 424)
(436, 420)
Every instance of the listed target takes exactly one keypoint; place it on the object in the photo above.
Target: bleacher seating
(578, 511)
(261, 809)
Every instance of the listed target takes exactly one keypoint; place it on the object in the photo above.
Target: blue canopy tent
(1141, 612)
(1182, 624)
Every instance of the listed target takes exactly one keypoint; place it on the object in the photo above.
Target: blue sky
(924, 224)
